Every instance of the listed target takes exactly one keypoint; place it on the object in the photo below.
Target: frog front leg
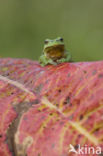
(66, 58)
(45, 61)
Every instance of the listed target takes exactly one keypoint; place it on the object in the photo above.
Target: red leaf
(44, 110)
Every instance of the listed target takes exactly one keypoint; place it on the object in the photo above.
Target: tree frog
(54, 52)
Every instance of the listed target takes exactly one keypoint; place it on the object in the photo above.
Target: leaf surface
(44, 110)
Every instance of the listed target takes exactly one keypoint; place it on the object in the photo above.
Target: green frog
(54, 52)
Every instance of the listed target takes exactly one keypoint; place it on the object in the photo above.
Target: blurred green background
(25, 24)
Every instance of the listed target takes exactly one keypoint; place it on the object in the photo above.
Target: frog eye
(46, 41)
(61, 39)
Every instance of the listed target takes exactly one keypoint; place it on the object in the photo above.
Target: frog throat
(55, 52)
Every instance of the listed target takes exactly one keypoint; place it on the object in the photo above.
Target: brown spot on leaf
(79, 135)
(97, 129)
(81, 117)
(36, 101)
(57, 104)
(68, 75)
(76, 147)
(31, 81)
(70, 105)
(85, 71)
(100, 75)
(0, 135)
(53, 145)
(61, 123)
(67, 100)
(51, 114)
(59, 90)
(46, 81)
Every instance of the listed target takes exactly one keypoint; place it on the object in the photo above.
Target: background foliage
(24, 25)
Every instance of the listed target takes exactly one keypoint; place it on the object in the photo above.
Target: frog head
(54, 49)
